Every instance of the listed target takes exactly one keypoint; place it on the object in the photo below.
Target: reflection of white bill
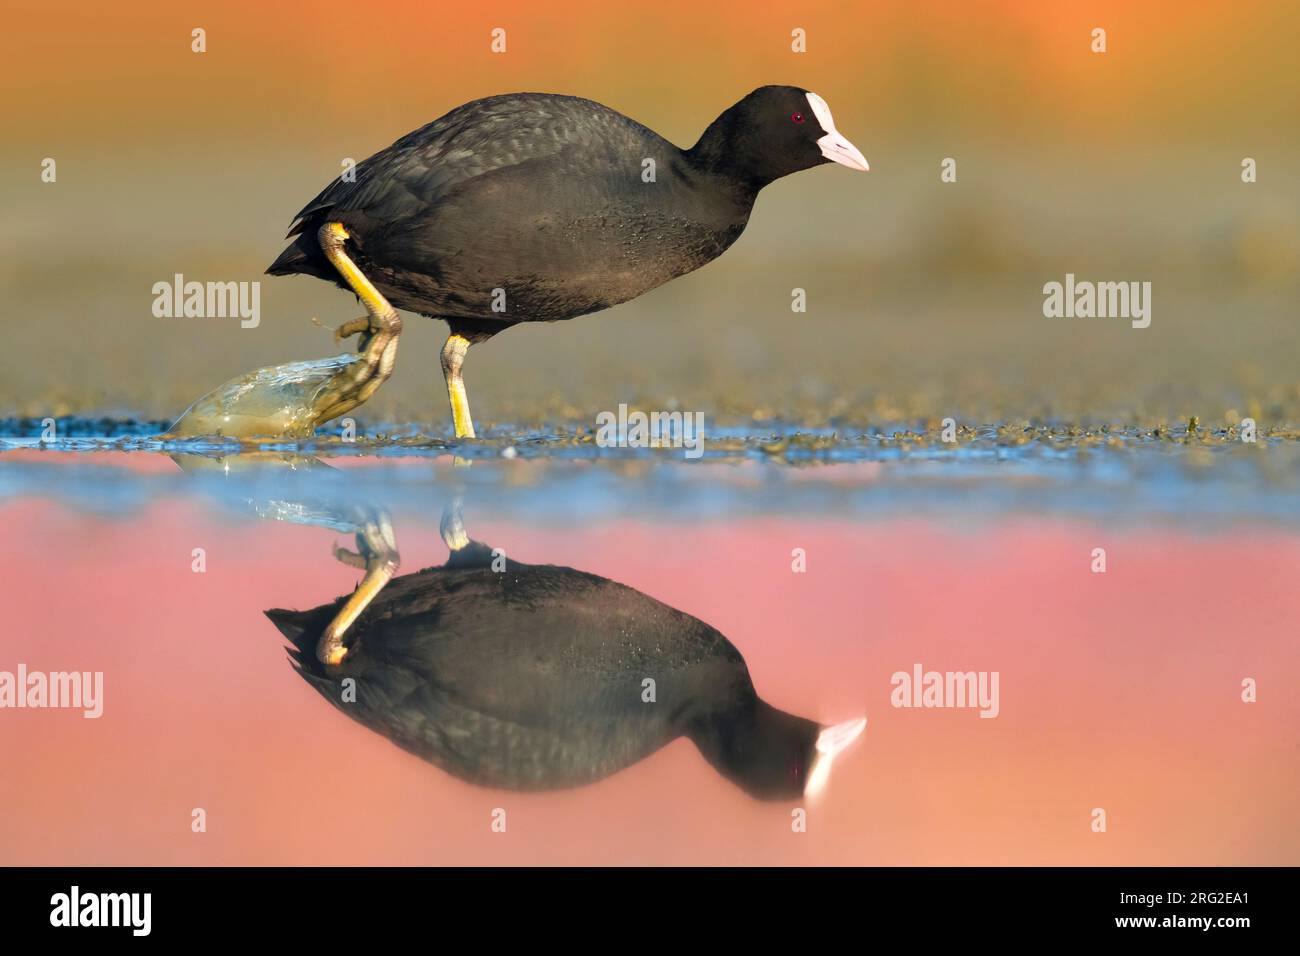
(831, 741)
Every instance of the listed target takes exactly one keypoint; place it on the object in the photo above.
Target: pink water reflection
(1119, 691)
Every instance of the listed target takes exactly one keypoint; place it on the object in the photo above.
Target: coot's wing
(417, 171)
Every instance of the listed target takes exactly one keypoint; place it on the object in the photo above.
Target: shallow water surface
(830, 567)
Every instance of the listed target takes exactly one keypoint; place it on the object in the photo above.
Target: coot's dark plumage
(531, 679)
(545, 198)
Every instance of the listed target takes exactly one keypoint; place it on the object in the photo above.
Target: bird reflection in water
(512, 675)
(539, 677)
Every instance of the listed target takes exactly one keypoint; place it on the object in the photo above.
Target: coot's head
(772, 132)
(770, 754)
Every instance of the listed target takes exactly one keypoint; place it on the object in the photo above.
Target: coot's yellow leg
(331, 236)
(453, 357)
(378, 346)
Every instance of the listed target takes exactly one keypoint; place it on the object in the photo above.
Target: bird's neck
(722, 154)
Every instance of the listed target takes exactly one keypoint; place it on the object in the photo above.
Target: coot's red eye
(797, 117)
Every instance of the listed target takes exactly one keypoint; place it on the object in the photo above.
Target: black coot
(532, 679)
(533, 207)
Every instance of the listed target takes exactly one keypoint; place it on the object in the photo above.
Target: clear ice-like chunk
(282, 401)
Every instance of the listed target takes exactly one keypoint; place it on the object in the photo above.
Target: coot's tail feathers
(301, 629)
(286, 264)
(302, 257)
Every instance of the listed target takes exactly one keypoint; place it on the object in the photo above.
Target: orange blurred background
(924, 297)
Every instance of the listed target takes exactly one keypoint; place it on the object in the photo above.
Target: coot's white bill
(834, 146)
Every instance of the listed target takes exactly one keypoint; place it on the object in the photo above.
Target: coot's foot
(360, 327)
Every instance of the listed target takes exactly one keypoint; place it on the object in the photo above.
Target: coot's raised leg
(453, 357)
(378, 343)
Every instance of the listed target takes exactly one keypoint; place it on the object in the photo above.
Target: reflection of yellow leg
(330, 649)
(453, 357)
(377, 553)
(452, 527)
